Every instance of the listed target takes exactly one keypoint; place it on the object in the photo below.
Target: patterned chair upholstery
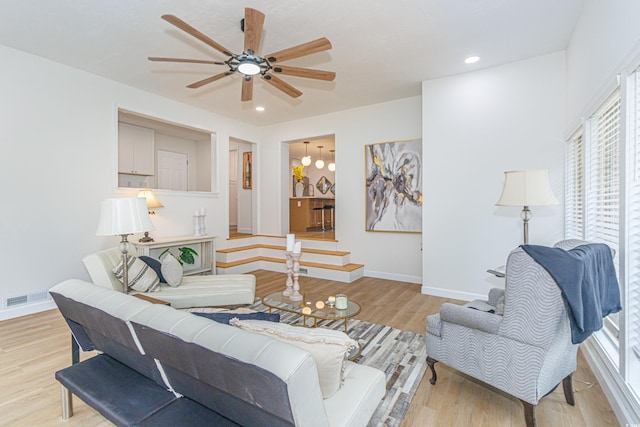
(525, 352)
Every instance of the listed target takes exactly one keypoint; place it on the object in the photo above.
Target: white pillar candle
(341, 302)
(297, 247)
(291, 238)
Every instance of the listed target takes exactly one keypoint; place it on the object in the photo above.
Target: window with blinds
(632, 215)
(574, 188)
(602, 201)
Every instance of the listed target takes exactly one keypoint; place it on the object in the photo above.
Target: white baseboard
(24, 310)
(622, 400)
(392, 276)
(243, 230)
(448, 293)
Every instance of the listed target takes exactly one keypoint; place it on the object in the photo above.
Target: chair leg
(431, 363)
(567, 385)
(529, 414)
(67, 403)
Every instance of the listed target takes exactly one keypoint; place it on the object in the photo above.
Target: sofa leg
(529, 414)
(567, 385)
(67, 403)
(431, 363)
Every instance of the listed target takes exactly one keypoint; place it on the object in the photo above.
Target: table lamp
(121, 217)
(152, 203)
(526, 188)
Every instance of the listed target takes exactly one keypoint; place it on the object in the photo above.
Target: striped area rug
(401, 355)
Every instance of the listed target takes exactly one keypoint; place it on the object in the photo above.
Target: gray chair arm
(470, 318)
(494, 295)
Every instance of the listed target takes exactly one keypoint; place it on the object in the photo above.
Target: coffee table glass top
(280, 302)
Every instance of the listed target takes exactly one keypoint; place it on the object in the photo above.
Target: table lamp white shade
(527, 188)
(150, 197)
(123, 216)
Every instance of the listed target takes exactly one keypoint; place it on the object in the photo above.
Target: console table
(204, 245)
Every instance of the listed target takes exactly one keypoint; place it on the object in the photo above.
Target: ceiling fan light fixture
(249, 67)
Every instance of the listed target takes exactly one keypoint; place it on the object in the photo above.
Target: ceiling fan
(248, 63)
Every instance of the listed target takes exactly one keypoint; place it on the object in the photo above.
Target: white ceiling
(382, 50)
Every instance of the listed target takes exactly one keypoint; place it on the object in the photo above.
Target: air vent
(304, 271)
(26, 299)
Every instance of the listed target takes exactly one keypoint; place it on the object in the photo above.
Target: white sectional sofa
(161, 366)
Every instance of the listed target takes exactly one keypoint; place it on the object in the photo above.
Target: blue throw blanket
(588, 282)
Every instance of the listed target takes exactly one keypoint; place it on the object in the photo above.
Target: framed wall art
(393, 193)
(246, 170)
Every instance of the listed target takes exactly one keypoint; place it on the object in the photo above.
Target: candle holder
(296, 295)
(289, 262)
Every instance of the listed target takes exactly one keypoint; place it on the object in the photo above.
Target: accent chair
(518, 341)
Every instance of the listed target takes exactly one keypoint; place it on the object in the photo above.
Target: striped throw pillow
(142, 278)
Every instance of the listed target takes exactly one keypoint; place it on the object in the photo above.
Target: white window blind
(574, 188)
(633, 232)
(602, 221)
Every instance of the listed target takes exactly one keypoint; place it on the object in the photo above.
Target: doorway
(241, 194)
(312, 205)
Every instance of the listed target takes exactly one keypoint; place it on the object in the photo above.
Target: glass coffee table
(320, 309)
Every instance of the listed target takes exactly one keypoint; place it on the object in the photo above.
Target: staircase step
(321, 259)
(347, 267)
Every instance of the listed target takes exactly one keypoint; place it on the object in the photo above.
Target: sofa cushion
(155, 266)
(327, 347)
(171, 270)
(141, 277)
(226, 317)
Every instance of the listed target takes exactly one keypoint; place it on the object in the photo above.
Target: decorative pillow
(155, 265)
(226, 317)
(141, 277)
(171, 270)
(328, 348)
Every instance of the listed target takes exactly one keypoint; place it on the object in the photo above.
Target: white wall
(58, 162)
(390, 255)
(476, 126)
(606, 35)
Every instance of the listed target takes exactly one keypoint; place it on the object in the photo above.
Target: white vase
(298, 190)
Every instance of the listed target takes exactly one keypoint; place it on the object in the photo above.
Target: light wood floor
(33, 347)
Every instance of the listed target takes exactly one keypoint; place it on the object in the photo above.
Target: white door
(172, 171)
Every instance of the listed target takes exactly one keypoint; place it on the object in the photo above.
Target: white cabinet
(135, 150)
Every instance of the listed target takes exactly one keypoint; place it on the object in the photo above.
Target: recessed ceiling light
(259, 108)
(472, 60)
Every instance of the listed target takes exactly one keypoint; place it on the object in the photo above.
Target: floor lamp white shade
(121, 217)
(527, 188)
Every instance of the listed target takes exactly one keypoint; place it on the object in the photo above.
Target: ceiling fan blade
(247, 89)
(253, 22)
(195, 33)
(303, 49)
(282, 85)
(191, 61)
(209, 80)
(305, 72)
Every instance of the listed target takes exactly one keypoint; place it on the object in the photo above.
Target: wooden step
(281, 248)
(348, 267)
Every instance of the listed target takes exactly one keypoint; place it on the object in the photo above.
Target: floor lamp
(121, 217)
(526, 188)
